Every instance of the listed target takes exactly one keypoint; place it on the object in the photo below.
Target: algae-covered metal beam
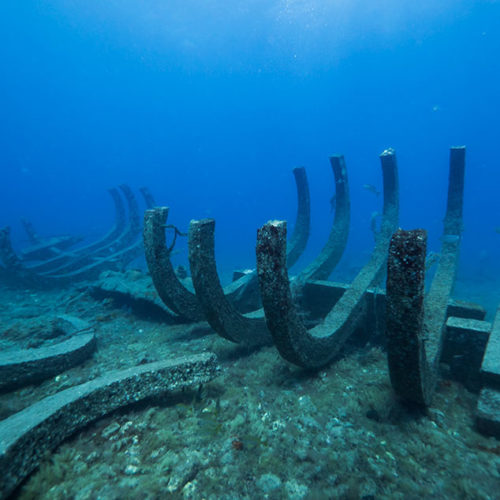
(416, 328)
(463, 349)
(171, 291)
(220, 313)
(490, 366)
(319, 296)
(117, 229)
(113, 262)
(44, 248)
(405, 311)
(319, 346)
(30, 231)
(488, 406)
(134, 219)
(8, 257)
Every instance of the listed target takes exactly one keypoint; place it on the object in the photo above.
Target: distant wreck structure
(63, 259)
(309, 319)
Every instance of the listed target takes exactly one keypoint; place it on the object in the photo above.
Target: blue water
(211, 104)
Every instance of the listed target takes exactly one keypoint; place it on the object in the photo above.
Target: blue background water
(212, 103)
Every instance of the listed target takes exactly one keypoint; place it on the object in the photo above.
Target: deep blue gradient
(212, 103)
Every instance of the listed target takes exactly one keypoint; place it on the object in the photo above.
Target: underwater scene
(249, 249)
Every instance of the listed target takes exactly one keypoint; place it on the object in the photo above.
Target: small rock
(131, 470)
(110, 429)
(268, 482)
(190, 489)
(295, 490)
(92, 457)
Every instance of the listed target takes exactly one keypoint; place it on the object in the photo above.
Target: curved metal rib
(121, 243)
(27, 436)
(134, 221)
(30, 231)
(324, 264)
(222, 316)
(148, 197)
(415, 328)
(300, 235)
(117, 229)
(114, 251)
(173, 293)
(57, 263)
(114, 262)
(241, 290)
(21, 367)
(317, 347)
